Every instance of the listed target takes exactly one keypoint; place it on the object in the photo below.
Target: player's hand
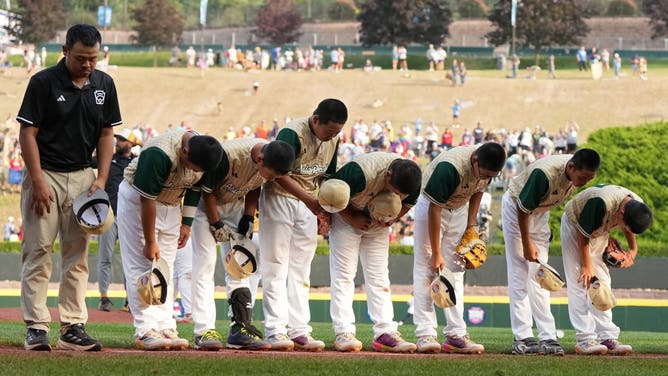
(314, 206)
(97, 184)
(586, 274)
(530, 252)
(627, 262)
(151, 251)
(42, 197)
(360, 221)
(436, 262)
(184, 235)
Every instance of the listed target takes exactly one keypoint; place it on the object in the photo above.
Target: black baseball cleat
(76, 338)
(37, 340)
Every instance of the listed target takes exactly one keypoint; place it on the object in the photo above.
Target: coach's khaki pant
(39, 235)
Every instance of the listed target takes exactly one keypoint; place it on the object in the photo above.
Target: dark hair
(88, 35)
(491, 156)
(278, 156)
(205, 152)
(586, 159)
(331, 110)
(637, 216)
(406, 176)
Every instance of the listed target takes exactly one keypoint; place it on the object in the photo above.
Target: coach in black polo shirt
(68, 111)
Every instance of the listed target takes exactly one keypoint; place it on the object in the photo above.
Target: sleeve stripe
(117, 123)
(582, 231)
(524, 209)
(24, 120)
(144, 194)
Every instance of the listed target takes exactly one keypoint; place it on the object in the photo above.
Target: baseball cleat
(153, 340)
(281, 342)
(461, 345)
(210, 340)
(616, 348)
(393, 342)
(346, 342)
(428, 344)
(37, 340)
(242, 338)
(527, 346)
(75, 338)
(551, 347)
(590, 347)
(306, 343)
(177, 343)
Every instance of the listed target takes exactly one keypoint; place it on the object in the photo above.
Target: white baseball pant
(183, 267)
(453, 225)
(588, 322)
(288, 242)
(131, 239)
(347, 245)
(204, 264)
(527, 298)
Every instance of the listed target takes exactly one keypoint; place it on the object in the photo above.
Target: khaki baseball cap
(548, 277)
(442, 292)
(334, 195)
(152, 286)
(601, 295)
(385, 206)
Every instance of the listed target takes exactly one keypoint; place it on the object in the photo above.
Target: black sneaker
(105, 304)
(37, 340)
(75, 338)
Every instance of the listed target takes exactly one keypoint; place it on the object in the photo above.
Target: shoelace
(170, 333)
(211, 334)
(347, 336)
(78, 331)
(248, 332)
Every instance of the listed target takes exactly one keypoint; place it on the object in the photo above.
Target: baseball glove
(220, 231)
(472, 249)
(614, 255)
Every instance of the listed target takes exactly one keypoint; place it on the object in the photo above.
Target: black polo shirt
(70, 120)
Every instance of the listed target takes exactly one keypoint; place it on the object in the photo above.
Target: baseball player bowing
(454, 178)
(150, 222)
(354, 235)
(288, 210)
(526, 205)
(229, 201)
(585, 227)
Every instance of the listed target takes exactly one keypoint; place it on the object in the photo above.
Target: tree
(157, 24)
(404, 21)
(657, 11)
(36, 21)
(540, 23)
(279, 22)
(472, 9)
(620, 8)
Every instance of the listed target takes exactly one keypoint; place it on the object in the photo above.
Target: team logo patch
(476, 315)
(99, 97)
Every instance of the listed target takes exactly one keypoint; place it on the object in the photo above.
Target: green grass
(496, 340)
